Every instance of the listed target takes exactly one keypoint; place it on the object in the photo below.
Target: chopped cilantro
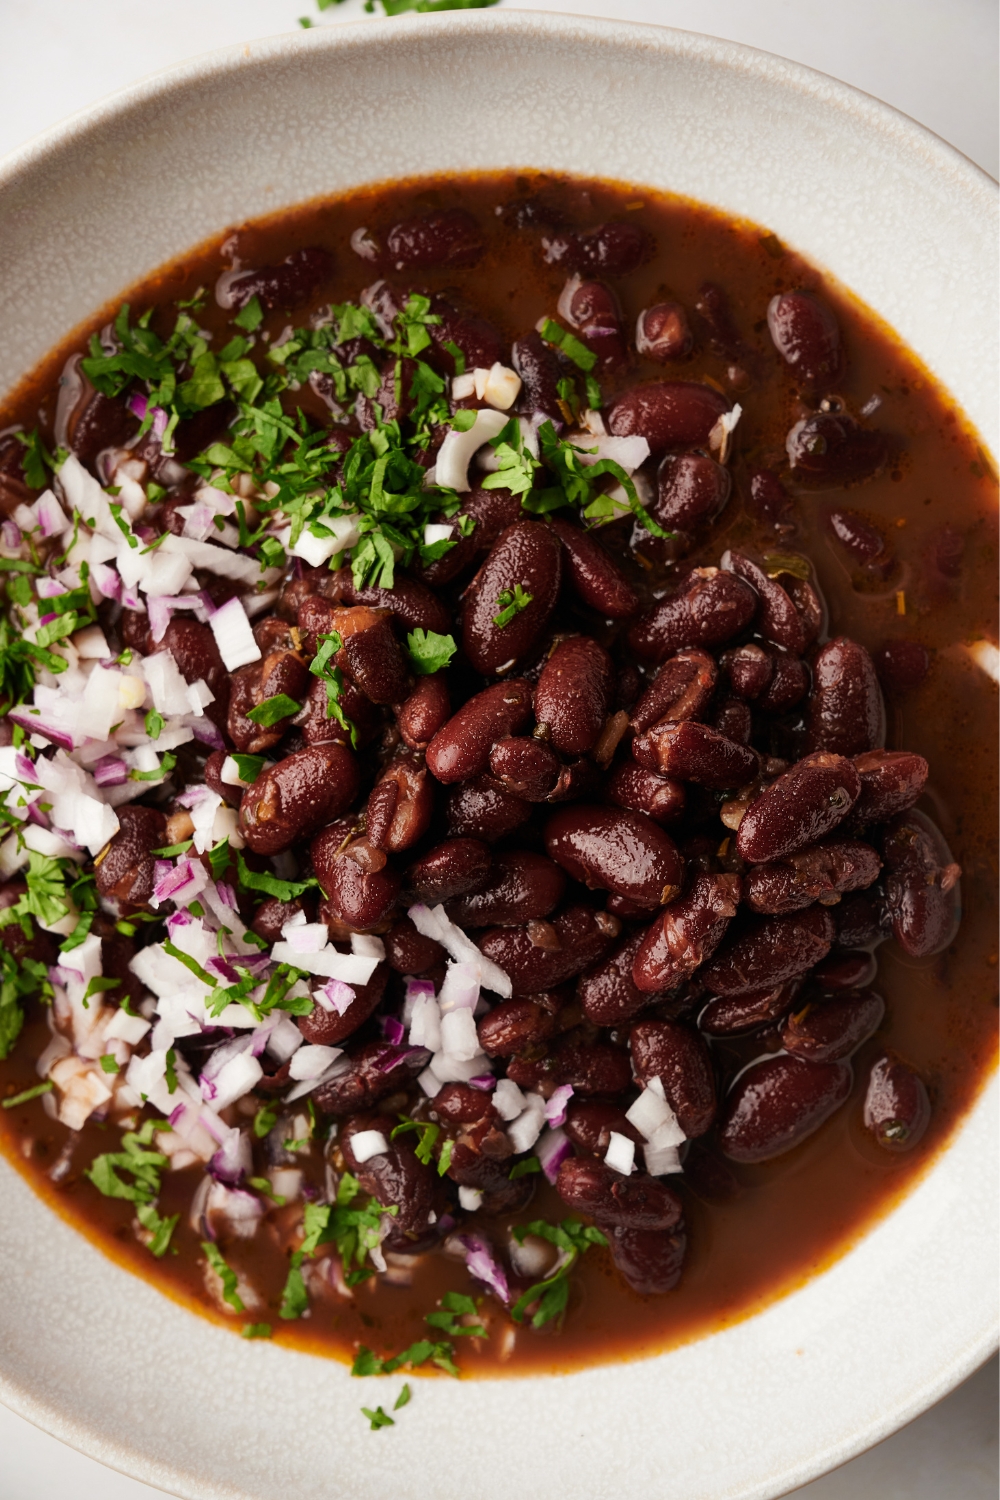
(511, 604)
(163, 770)
(354, 1230)
(423, 1351)
(582, 357)
(403, 1399)
(428, 1133)
(108, 1062)
(263, 1185)
(26, 1094)
(248, 766)
(444, 1160)
(327, 647)
(143, 1166)
(170, 850)
(250, 316)
(429, 652)
(256, 1330)
(294, 1297)
(378, 1418)
(268, 713)
(455, 1305)
(525, 1168)
(154, 723)
(226, 1274)
(270, 885)
(265, 1120)
(218, 858)
(572, 1239)
(158, 1227)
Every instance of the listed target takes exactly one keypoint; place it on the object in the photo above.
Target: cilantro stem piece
(511, 604)
(226, 1274)
(284, 890)
(256, 1330)
(26, 1094)
(378, 1418)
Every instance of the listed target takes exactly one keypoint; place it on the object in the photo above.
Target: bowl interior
(905, 222)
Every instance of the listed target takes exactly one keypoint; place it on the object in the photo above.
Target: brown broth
(799, 1212)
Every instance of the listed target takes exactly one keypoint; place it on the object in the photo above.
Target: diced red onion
(552, 1150)
(47, 619)
(392, 1056)
(49, 588)
(182, 883)
(260, 1034)
(110, 770)
(480, 1263)
(137, 404)
(205, 731)
(234, 1159)
(393, 1030)
(484, 1082)
(223, 969)
(36, 723)
(226, 894)
(130, 599)
(217, 1060)
(335, 995)
(418, 988)
(11, 534)
(555, 1105)
(106, 580)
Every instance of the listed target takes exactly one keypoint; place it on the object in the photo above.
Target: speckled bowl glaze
(99, 1358)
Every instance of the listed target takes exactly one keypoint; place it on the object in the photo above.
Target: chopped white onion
(311, 1061)
(234, 635)
(455, 453)
(508, 1101)
(368, 1143)
(470, 1198)
(328, 963)
(459, 1038)
(650, 1113)
(425, 1024)
(620, 1155)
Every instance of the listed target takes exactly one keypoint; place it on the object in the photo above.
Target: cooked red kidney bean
(396, 1177)
(538, 366)
(596, 579)
(328, 1029)
(525, 767)
(272, 914)
(426, 710)
(194, 649)
(807, 336)
(902, 666)
(777, 618)
(319, 726)
(896, 1110)
(448, 237)
(515, 1025)
(681, 689)
(615, 248)
(788, 686)
(574, 693)
(408, 951)
(817, 873)
(715, 314)
(491, 512)
(862, 921)
(866, 545)
(809, 603)
(589, 1123)
(375, 1071)
(650, 1260)
(679, 1058)
(593, 311)
(687, 934)
(662, 332)
(407, 784)
(831, 449)
(482, 809)
(279, 672)
(412, 602)
(636, 1202)
(461, 748)
(733, 719)
(730, 1015)
(769, 501)
(520, 887)
(124, 869)
(579, 781)
(607, 993)
(845, 971)
(526, 555)
(891, 781)
(294, 798)
(584, 937)
(644, 791)
(371, 654)
(826, 1030)
(286, 285)
(769, 950)
(922, 887)
(462, 1105)
(711, 609)
(691, 491)
(803, 805)
(777, 1102)
(615, 849)
(589, 1067)
(476, 338)
(668, 414)
(695, 752)
(749, 669)
(846, 713)
(357, 895)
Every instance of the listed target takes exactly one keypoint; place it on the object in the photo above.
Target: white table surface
(934, 59)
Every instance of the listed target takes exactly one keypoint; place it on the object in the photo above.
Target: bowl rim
(124, 1455)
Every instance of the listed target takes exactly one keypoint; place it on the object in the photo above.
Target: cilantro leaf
(572, 1239)
(256, 1330)
(294, 1297)
(378, 1418)
(455, 1305)
(248, 766)
(26, 1094)
(226, 1274)
(159, 1228)
(143, 1166)
(511, 603)
(270, 885)
(441, 1354)
(429, 652)
(272, 710)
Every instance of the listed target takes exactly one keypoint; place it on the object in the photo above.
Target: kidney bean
(713, 309)
(777, 1102)
(891, 781)
(711, 609)
(777, 618)
(607, 993)
(476, 338)
(788, 686)
(194, 649)
(525, 767)
(447, 237)
(412, 602)
(521, 887)
(402, 804)
(526, 554)
(733, 720)
(730, 1015)
(291, 800)
(902, 666)
(922, 887)
(426, 710)
(376, 1070)
(803, 805)
(614, 248)
(820, 872)
(272, 914)
(806, 334)
(461, 1105)
(694, 752)
(124, 869)
(589, 1123)
(827, 1030)
(768, 950)
(862, 921)
(615, 849)
(676, 1055)
(371, 653)
(692, 490)
(845, 971)
(687, 934)
(897, 1109)
(326, 1028)
(574, 694)
(749, 669)
(286, 285)
(538, 366)
(461, 749)
(407, 951)
(319, 727)
(514, 1026)
(662, 332)
(859, 537)
(592, 310)
(491, 512)
(810, 605)
(644, 791)
(589, 1067)
(578, 781)
(769, 501)
(830, 449)
(650, 1261)
(846, 713)
(680, 690)
(596, 579)
(279, 672)
(636, 1202)
(453, 868)
(396, 1177)
(482, 809)
(584, 937)
(668, 414)
(360, 892)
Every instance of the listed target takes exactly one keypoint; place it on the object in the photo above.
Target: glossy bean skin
(125, 868)
(593, 311)
(897, 1109)
(612, 249)
(272, 914)
(687, 934)
(280, 672)
(769, 501)
(733, 719)
(777, 1102)
(663, 333)
(692, 490)
(650, 1260)
(589, 1123)
(461, 748)
(483, 809)
(414, 605)
(476, 338)
(922, 887)
(677, 1055)
(194, 649)
(730, 1015)
(538, 366)
(636, 1202)
(680, 690)
(396, 1177)
(788, 685)
(514, 1026)
(769, 950)
(658, 797)
(594, 577)
(698, 753)
(295, 797)
(286, 285)
(584, 936)
(407, 951)
(213, 779)
(749, 669)
(829, 450)
(845, 971)
(668, 414)
(426, 710)
(588, 1067)
(371, 654)
(777, 618)
(846, 713)
(891, 781)
(376, 1070)
(708, 612)
(862, 921)
(491, 512)
(827, 1030)
(521, 887)
(525, 767)
(607, 993)
(359, 898)
(528, 554)
(404, 798)
(326, 1028)
(574, 694)
(865, 545)
(319, 726)
(801, 807)
(806, 334)
(816, 873)
(902, 666)
(448, 237)
(617, 850)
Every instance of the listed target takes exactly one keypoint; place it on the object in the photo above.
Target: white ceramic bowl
(101, 1359)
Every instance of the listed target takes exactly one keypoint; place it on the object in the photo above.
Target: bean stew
(498, 764)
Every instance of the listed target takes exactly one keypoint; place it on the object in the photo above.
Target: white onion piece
(508, 1101)
(234, 635)
(284, 1038)
(526, 1129)
(459, 1038)
(552, 1150)
(329, 963)
(368, 1143)
(460, 990)
(236, 1078)
(306, 937)
(650, 1113)
(620, 1155)
(455, 453)
(425, 1023)
(463, 386)
(436, 923)
(130, 1029)
(470, 1198)
(311, 1061)
(441, 532)
(204, 555)
(367, 945)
